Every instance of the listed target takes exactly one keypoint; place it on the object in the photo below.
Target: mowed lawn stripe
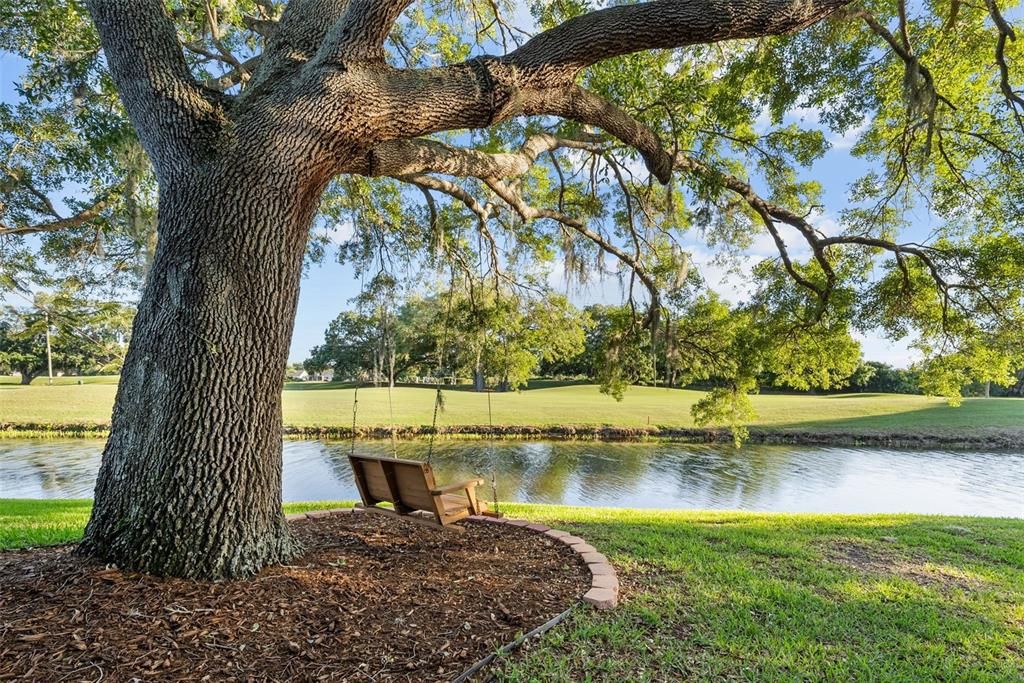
(330, 405)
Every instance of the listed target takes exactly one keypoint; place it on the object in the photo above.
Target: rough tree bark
(190, 482)
(191, 478)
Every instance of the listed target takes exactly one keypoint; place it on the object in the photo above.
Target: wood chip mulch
(372, 599)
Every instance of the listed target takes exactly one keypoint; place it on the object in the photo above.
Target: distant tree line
(64, 332)
(501, 341)
(485, 337)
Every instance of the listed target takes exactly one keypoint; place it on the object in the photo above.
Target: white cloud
(828, 225)
(340, 232)
(849, 138)
(733, 281)
(878, 348)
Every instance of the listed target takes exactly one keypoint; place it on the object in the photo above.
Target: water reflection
(652, 475)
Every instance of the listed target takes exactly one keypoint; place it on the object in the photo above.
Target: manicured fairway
(755, 597)
(331, 405)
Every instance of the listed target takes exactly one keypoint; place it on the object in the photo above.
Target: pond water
(645, 475)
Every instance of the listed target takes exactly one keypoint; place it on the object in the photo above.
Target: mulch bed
(372, 599)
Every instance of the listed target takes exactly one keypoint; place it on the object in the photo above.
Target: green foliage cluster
(85, 336)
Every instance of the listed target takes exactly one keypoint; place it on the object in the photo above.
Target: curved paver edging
(604, 584)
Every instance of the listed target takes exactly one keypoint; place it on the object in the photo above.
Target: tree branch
(168, 109)
(241, 74)
(411, 160)
(511, 196)
(1013, 100)
(819, 244)
(79, 219)
(401, 158)
(361, 31)
(296, 38)
(425, 182)
(558, 54)
(769, 213)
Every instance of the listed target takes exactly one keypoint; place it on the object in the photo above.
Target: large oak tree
(259, 118)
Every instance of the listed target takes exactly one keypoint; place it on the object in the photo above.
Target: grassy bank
(27, 523)
(765, 597)
(865, 418)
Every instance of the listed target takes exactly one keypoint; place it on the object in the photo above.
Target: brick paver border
(604, 584)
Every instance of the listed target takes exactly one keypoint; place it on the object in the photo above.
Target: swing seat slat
(410, 487)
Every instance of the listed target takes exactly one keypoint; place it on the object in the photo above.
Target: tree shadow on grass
(318, 386)
(983, 415)
(710, 596)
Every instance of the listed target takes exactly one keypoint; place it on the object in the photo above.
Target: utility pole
(49, 352)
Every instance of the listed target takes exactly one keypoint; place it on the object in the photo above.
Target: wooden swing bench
(410, 487)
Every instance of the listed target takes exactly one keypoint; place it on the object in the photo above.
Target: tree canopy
(497, 340)
(701, 144)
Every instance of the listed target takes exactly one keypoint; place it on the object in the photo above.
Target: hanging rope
(490, 456)
(391, 410)
(438, 398)
(389, 345)
(355, 409)
(355, 393)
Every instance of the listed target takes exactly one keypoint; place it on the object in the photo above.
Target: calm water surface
(653, 475)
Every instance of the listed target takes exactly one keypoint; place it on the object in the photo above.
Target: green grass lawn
(330, 405)
(755, 597)
(62, 381)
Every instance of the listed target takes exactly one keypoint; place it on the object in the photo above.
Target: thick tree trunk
(26, 378)
(478, 372)
(391, 367)
(190, 482)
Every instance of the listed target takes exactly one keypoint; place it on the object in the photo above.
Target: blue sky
(328, 287)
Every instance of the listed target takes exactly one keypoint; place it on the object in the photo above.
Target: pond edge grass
(996, 439)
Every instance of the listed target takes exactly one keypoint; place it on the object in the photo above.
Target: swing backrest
(409, 485)
(406, 483)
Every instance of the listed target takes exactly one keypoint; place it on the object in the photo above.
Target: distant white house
(303, 376)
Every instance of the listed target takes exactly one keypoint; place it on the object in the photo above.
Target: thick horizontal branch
(538, 77)
(401, 158)
(577, 104)
(558, 54)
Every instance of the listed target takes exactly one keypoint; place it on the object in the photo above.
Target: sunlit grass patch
(751, 596)
(308, 406)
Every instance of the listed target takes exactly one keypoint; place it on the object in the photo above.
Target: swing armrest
(461, 486)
